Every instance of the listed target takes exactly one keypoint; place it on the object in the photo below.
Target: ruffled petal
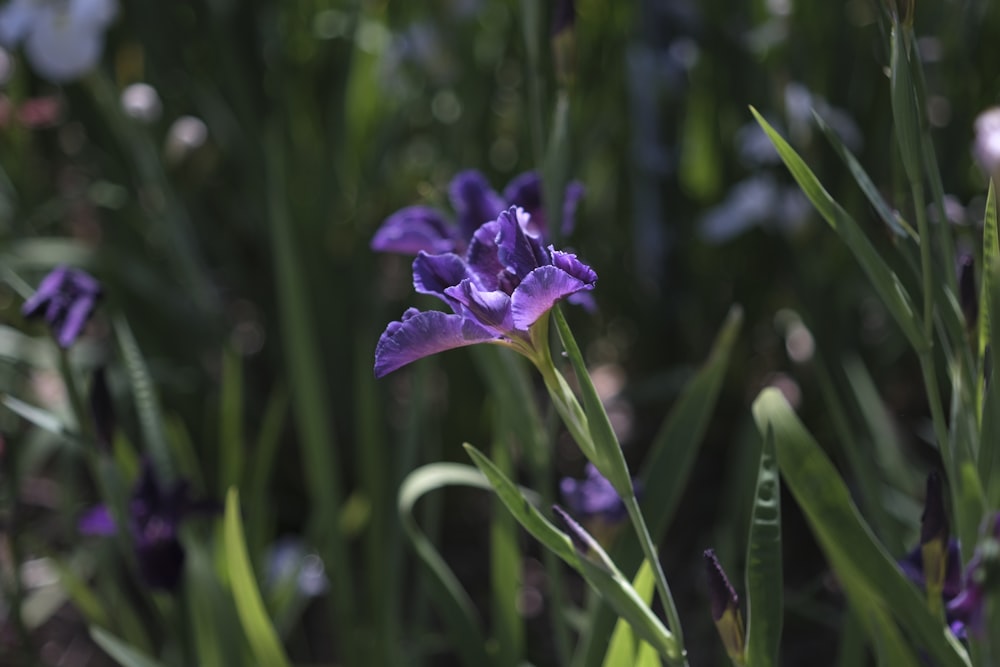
(415, 229)
(519, 251)
(48, 290)
(539, 291)
(482, 259)
(525, 190)
(491, 308)
(433, 274)
(568, 262)
(97, 521)
(475, 202)
(421, 334)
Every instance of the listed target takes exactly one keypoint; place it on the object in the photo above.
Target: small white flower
(987, 146)
(63, 39)
(141, 102)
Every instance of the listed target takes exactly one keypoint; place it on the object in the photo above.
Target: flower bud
(725, 608)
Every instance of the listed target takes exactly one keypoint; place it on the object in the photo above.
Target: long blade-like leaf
(249, 605)
(764, 579)
(125, 655)
(860, 562)
(886, 283)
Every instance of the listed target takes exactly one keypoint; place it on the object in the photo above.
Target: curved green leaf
(124, 654)
(860, 562)
(249, 606)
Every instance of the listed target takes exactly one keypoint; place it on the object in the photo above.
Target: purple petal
(433, 274)
(491, 308)
(574, 193)
(519, 251)
(421, 334)
(525, 190)
(474, 200)
(49, 289)
(414, 229)
(76, 316)
(568, 262)
(97, 521)
(539, 291)
(482, 258)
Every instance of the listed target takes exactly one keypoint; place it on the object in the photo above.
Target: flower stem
(662, 587)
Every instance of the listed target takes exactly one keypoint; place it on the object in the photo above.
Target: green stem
(662, 587)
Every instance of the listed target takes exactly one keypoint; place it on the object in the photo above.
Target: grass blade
(249, 605)
(124, 654)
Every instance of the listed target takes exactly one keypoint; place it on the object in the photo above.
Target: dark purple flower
(593, 497)
(982, 578)
(154, 515)
(725, 606)
(65, 299)
(506, 281)
(416, 229)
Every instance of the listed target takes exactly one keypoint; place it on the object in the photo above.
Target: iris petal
(492, 308)
(475, 202)
(422, 334)
(519, 251)
(539, 291)
(414, 229)
(97, 521)
(433, 274)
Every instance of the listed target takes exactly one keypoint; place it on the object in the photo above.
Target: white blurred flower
(987, 147)
(62, 39)
(186, 135)
(141, 102)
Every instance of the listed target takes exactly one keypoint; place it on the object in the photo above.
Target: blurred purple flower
(416, 229)
(63, 39)
(593, 497)
(982, 578)
(65, 299)
(505, 283)
(154, 515)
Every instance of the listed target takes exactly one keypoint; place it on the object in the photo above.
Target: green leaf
(888, 215)
(860, 562)
(600, 573)
(988, 384)
(249, 606)
(765, 605)
(667, 467)
(43, 419)
(607, 453)
(505, 568)
(124, 654)
(886, 283)
(452, 602)
(147, 403)
(624, 648)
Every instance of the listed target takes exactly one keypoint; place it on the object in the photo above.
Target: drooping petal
(568, 262)
(60, 48)
(593, 496)
(415, 229)
(48, 289)
(421, 334)
(76, 316)
(97, 521)
(475, 202)
(491, 308)
(95, 13)
(539, 291)
(433, 274)
(519, 251)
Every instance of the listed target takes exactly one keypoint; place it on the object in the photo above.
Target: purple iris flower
(416, 229)
(593, 498)
(982, 577)
(505, 282)
(154, 515)
(65, 299)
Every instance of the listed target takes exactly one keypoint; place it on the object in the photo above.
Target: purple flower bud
(65, 299)
(725, 606)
